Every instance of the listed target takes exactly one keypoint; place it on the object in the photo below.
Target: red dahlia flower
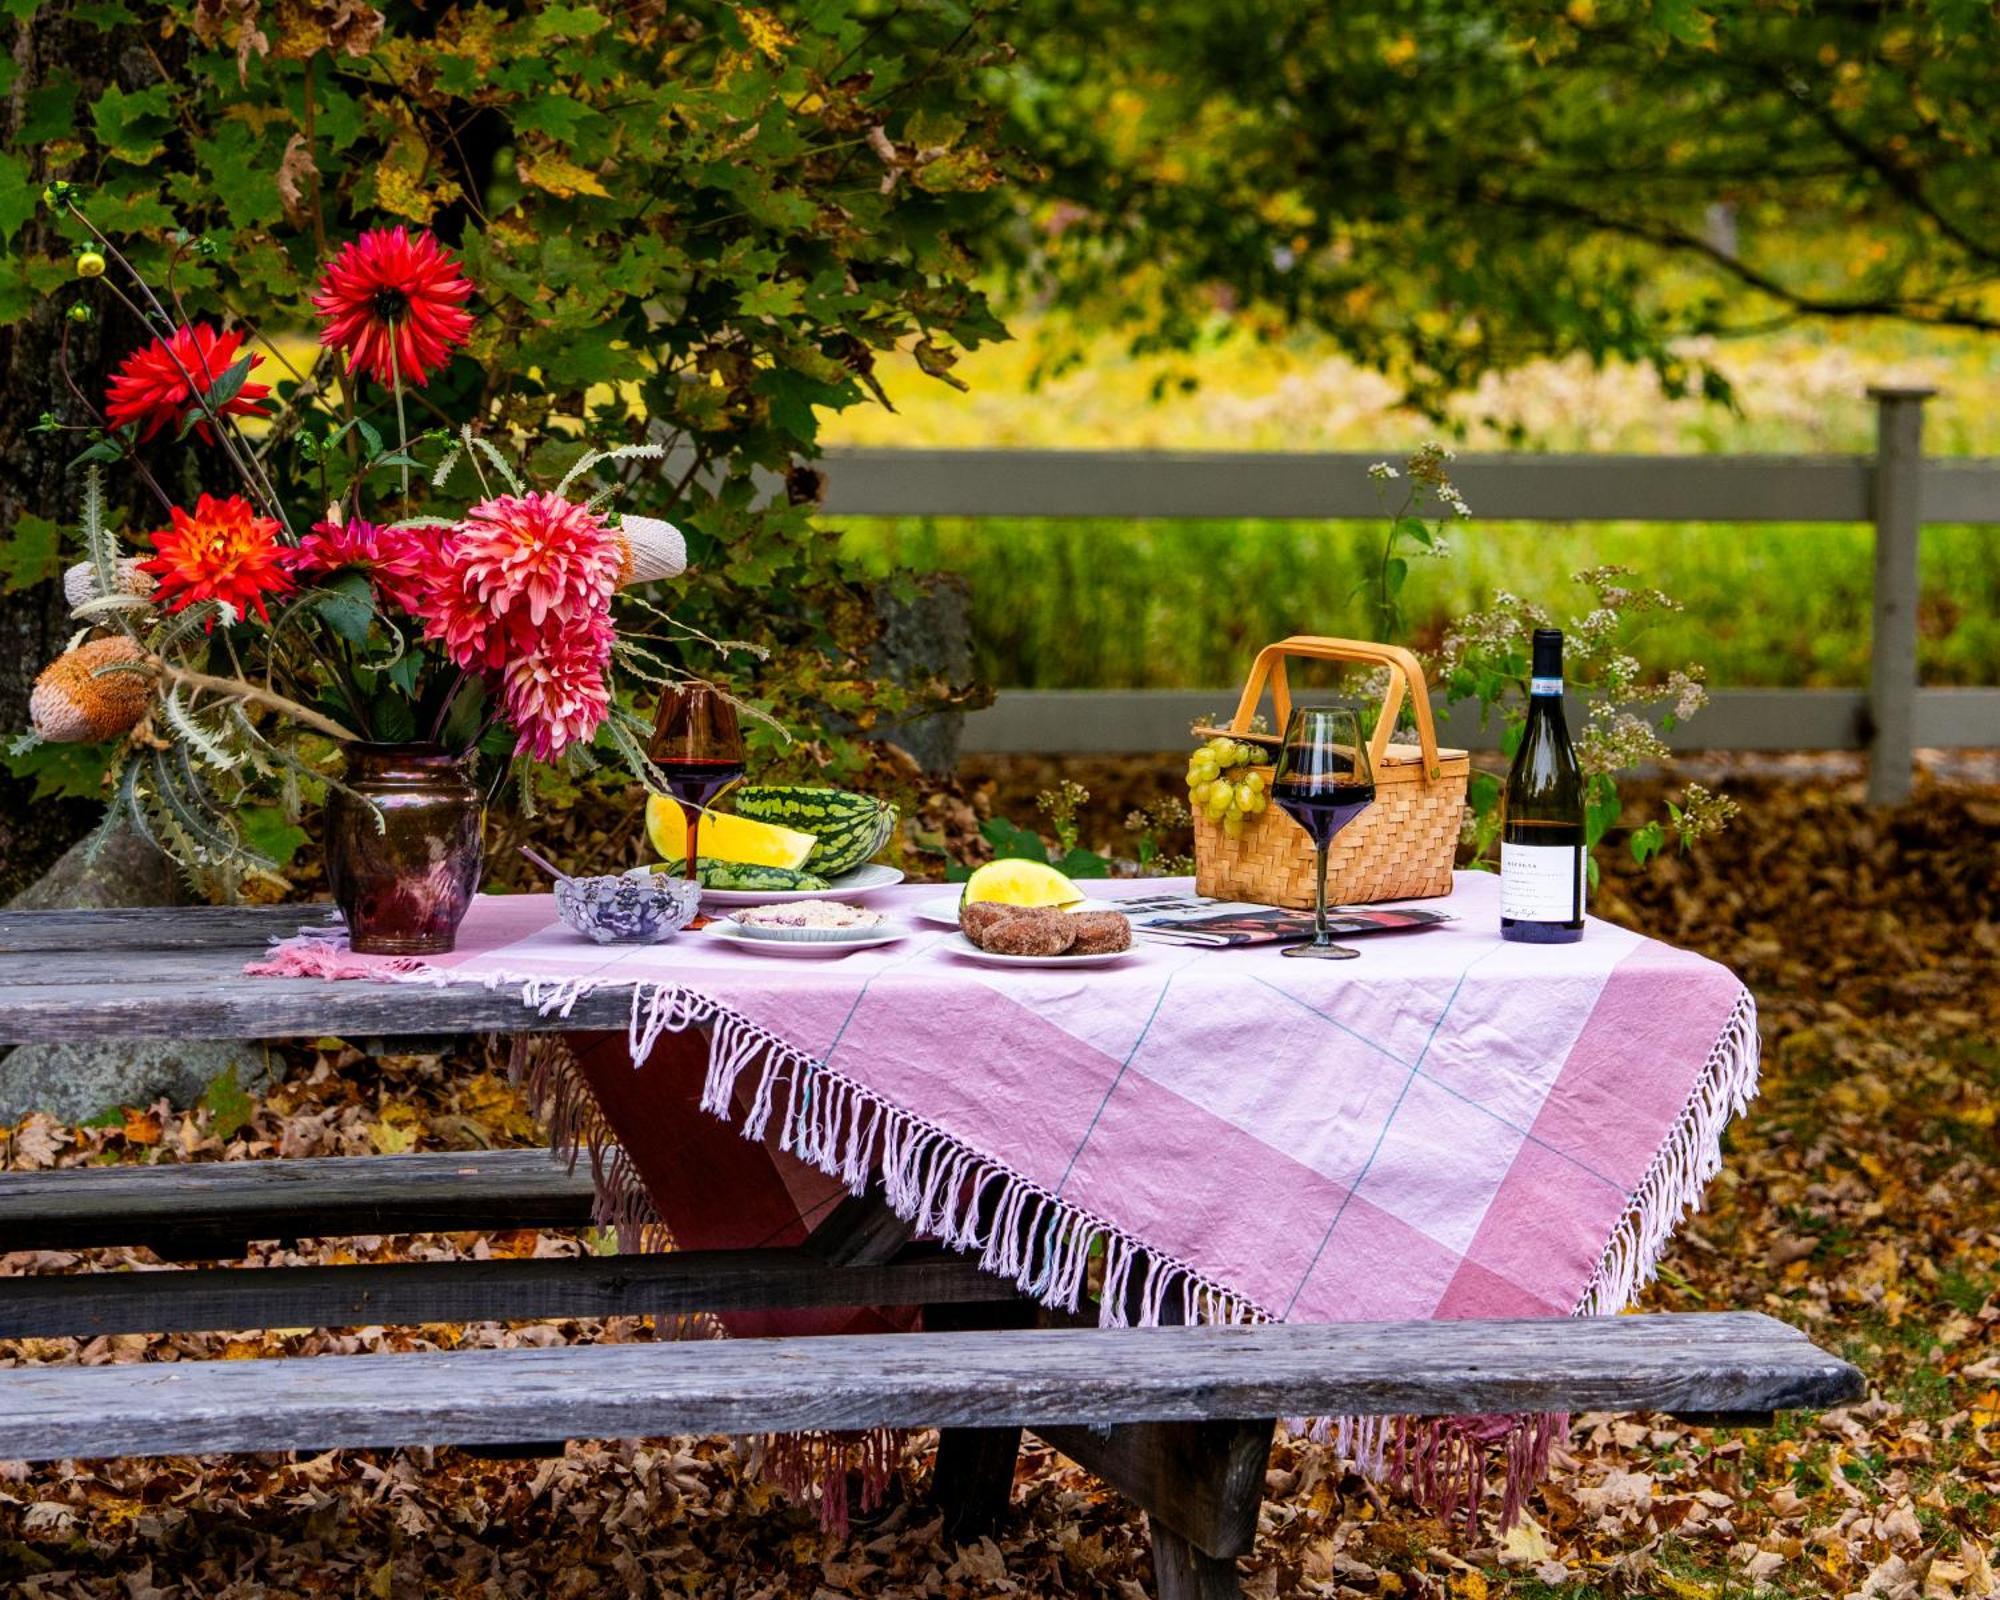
(150, 387)
(221, 551)
(394, 301)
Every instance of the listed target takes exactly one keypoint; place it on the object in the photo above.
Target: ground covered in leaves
(1861, 1201)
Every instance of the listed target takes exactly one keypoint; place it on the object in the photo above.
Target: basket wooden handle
(1406, 677)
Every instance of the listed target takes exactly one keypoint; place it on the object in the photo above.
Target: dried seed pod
(653, 549)
(75, 702)
(80, 582)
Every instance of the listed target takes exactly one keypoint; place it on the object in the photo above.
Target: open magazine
(1196, 919)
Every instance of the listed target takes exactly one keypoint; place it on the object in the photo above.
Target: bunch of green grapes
(1219, 784)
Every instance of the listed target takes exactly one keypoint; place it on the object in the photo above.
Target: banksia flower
(76, 701)
(395, 302)
(652, 549)
(150, 387)
(128, 576)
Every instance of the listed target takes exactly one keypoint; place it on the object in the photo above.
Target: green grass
(1071, 605)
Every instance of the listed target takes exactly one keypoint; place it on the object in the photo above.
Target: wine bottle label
(1545, 686)
(1541, 882)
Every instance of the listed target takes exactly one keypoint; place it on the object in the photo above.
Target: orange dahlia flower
(222, 551)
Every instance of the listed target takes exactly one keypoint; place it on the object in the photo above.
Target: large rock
(74, 1081)
(127, 871)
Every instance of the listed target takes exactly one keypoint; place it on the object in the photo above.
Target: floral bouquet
(230, 651)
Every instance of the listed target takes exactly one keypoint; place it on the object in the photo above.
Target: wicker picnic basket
(1400, 848)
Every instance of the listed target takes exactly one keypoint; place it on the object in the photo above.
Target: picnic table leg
(972, 1482)
(1181, 1571)
(1199, 1483)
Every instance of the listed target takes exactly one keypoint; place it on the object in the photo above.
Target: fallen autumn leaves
(1861, 1201)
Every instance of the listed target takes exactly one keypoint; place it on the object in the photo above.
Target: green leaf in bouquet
(227, 387)
(32, 553)
(62, 771)
(268, 831)
(468, 711)
(346, 603)
(393, 718)
(102, 450)
(1601, 806)
(1482, 793)
(398, 459)
(404, 671)
(1646, 841)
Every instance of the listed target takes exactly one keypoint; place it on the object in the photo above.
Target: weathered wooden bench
(1178, 1419)
(1189, 1409)
(213, 1210)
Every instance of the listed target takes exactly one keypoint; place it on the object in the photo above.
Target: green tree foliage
(1448, 187)
(696, 224)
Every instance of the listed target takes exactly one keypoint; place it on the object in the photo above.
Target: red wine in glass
(1323, 782)
(699, 751)
(695, 782)
(1323, 809)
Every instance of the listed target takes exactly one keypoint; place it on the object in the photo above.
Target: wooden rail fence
(1895, 490)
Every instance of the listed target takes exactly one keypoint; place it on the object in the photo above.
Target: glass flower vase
(403, 848)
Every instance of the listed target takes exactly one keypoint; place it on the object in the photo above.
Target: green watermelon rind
(714, 874)
(847, 828)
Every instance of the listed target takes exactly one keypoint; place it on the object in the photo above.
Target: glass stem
(693, 843)
(1320, 935)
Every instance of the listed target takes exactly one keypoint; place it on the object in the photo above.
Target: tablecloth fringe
(817, 1469)
(1680, 1172)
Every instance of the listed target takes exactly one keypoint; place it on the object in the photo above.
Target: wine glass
(1324, 781)
(699, 751)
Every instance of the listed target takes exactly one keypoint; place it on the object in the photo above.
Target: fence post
(1892, 673)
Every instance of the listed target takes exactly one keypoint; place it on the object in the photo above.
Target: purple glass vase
(403, 848)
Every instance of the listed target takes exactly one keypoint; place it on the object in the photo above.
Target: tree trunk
(35, 473)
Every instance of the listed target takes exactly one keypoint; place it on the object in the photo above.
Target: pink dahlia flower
(539, 552)
(404, 562)
(521, 590)
(556, 698)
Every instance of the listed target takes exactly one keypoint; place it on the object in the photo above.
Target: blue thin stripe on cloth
(1119, 1076)
(1382, 1136)
(868, 983)
(1438, 1083)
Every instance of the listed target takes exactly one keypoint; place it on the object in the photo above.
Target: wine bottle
(1542, 823)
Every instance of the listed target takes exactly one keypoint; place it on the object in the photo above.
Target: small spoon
(545, 864)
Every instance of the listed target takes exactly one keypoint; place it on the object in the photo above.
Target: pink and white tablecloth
(1448, 1126)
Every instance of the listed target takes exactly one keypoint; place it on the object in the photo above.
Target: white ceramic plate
(959, 945)
(860, 933)
(946, 911)
(862, 880)
(729, 933)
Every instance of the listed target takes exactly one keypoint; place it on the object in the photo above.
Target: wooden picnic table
(1177, 1418)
